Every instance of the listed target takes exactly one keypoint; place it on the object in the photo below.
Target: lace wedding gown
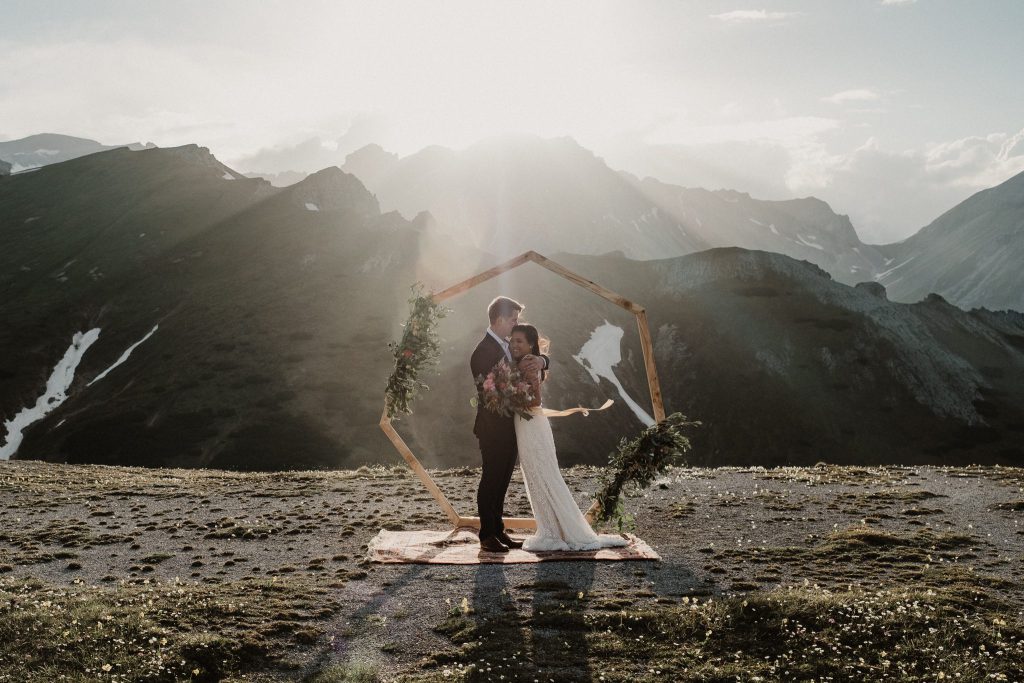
(560, 524)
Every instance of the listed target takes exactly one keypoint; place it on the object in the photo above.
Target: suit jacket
(489, 425)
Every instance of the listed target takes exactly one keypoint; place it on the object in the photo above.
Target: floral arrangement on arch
(418, 349)
(637, 463)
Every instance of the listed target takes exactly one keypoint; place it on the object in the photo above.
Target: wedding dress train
(560, 524)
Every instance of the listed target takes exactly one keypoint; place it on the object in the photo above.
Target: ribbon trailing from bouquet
(572, 411)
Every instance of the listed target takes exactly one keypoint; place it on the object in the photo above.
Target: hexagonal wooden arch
(464, 286)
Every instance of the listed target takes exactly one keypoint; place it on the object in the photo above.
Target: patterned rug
(461, 546)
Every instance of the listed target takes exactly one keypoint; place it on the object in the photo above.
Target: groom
(497, 433)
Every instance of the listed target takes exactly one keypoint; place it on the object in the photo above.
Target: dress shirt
(502, 343)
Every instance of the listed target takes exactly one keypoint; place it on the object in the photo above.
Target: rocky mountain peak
(371, 152)
(424, 221)
(332, 189)
(1013, 187)
(191, 152)
(732, 195)
(970, 255)
(192, 159)
(873, 288)
(532, 152)
(936, 300)
(735, 263)
(53, 141)
(370, 163)
(738, 261)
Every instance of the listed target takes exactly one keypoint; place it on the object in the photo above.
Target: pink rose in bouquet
(504, 391)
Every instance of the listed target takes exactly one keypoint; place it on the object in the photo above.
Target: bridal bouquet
(504, 391)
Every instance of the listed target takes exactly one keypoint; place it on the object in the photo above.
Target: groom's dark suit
(497, 437)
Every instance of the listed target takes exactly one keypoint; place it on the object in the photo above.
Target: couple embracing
(560, 524)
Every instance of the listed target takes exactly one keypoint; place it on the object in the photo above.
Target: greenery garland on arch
(635, 464)
(418, 349)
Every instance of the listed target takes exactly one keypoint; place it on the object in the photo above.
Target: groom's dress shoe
(492, 545)
(507, 540)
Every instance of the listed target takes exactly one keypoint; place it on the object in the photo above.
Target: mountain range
(508, 195)
(505, 195)
(972, 255)
(245, 326)
(40, 150)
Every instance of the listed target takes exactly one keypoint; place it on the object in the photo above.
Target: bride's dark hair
(537, 343)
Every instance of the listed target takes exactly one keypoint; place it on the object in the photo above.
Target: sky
(893, 111)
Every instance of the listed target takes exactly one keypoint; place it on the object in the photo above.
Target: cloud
(888, 193)
(754, 167)
(787, 128)
(127, 89)
(751, 16)
(898, 2)
(976, 162)
(797, 139)
(855, 95)
(453, 73)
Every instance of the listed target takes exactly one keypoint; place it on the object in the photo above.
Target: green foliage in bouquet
(418, 349)
(637, 463)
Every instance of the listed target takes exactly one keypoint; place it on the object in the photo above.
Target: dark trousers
(499, 460)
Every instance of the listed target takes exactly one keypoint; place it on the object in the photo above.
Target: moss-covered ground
(824, 573)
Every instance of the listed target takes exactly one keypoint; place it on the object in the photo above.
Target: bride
(560, 524)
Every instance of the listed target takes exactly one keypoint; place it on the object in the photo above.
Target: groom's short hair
(503, 307)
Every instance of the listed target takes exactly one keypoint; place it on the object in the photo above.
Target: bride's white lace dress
(560, 524)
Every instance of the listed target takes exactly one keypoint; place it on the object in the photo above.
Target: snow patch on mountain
(806, 241)
(600, 355)
(123, 358)
(886, 273)
(56, 392)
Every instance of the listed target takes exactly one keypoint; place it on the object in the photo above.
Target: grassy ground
(156, 631)
(822, 573)
(945, 623)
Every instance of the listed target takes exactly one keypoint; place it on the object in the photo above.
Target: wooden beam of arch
(462, 287)
(544, 262)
